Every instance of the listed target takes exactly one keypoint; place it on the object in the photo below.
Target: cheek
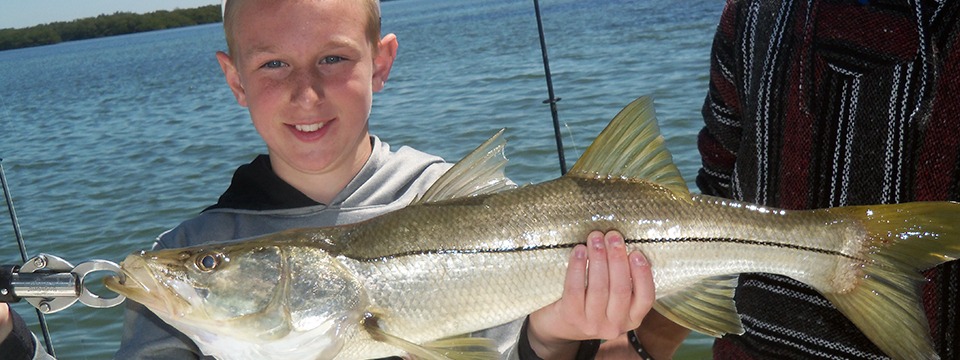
(264, 103)
(357, 91)
(263, 94)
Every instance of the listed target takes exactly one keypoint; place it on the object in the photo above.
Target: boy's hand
(602, 303)
(6, 321)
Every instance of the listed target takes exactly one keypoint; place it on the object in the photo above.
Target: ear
(232, 76)
(384, 61)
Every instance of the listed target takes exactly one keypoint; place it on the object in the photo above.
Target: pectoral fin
(455, 348)
(707, 307)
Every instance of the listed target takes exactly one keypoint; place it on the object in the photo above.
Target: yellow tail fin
(903, 239)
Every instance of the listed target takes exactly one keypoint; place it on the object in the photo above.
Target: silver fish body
(510, 257)
(451, 264)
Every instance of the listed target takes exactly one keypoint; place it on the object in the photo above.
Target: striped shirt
(816, 104)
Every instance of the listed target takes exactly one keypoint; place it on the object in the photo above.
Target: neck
(323, 186)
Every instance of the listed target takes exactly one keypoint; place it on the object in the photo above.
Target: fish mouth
(125, 284)
(139, 282)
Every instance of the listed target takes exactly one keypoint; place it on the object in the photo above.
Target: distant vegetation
(106, 25)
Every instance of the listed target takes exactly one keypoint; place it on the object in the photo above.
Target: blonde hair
(231, 8)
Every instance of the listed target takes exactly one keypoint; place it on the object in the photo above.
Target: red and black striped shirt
(816, 104)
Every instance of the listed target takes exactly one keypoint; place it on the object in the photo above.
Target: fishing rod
(552, 100)
(48, 282)
(23, 257)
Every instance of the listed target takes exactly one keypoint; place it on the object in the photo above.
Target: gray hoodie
(259, 203)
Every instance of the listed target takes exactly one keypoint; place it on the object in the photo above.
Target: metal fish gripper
(52, 284)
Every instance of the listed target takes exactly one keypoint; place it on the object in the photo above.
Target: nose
(307, 89)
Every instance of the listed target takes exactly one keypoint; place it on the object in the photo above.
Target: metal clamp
(51, 284)
(88, 298)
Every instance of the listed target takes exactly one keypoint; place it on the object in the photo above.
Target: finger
(552, 322)
(598, 285)
(644, 289)
(621, 284)
(575, 282)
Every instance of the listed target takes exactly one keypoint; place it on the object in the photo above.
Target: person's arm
(6, 321)
(17, 340)
(610, 299)
(18, 343)
(659, 336)
(719, 140)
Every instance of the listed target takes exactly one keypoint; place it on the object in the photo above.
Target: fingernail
(596, 242)
(616, 242)
(580, 252)
(638, 259)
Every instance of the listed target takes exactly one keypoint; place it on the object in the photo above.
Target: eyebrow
(334, 44)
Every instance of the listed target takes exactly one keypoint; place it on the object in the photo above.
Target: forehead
(240, 12)
(271, 23)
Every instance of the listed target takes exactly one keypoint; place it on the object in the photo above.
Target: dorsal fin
(631, 147)
(480, 172)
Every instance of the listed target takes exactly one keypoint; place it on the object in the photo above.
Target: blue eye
(331, 60)
(208, 262)
(273, 64)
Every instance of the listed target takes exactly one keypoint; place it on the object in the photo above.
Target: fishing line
(23, 255)
(573, 140)
(551, 100)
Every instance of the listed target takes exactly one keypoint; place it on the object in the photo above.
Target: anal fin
(707, 306)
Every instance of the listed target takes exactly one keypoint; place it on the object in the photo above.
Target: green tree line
(106, 25)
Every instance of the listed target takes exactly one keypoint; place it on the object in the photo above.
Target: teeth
(309, 127)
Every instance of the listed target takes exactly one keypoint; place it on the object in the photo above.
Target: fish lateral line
(471, 251)
(519, 249)
(453, 251)
(744, 242)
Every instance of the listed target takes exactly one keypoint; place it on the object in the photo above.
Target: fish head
(234, 296)
(209, 284)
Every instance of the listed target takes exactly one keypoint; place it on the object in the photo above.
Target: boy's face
(306, 71)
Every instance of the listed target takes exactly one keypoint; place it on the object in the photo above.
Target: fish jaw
(139, 282)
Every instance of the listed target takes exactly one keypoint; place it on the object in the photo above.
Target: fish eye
(208, 262)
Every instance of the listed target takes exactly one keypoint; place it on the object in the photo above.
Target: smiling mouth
(309, 127)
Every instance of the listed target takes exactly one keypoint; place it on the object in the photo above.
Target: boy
(307, 71)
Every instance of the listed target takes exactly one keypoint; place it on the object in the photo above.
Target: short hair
(231, 7)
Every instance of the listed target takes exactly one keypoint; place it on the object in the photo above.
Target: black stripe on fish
(747, 242)
(628, 241)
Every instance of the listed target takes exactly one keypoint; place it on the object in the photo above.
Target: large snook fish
(471, 254)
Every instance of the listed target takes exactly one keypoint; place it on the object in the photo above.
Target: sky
(20, 14)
